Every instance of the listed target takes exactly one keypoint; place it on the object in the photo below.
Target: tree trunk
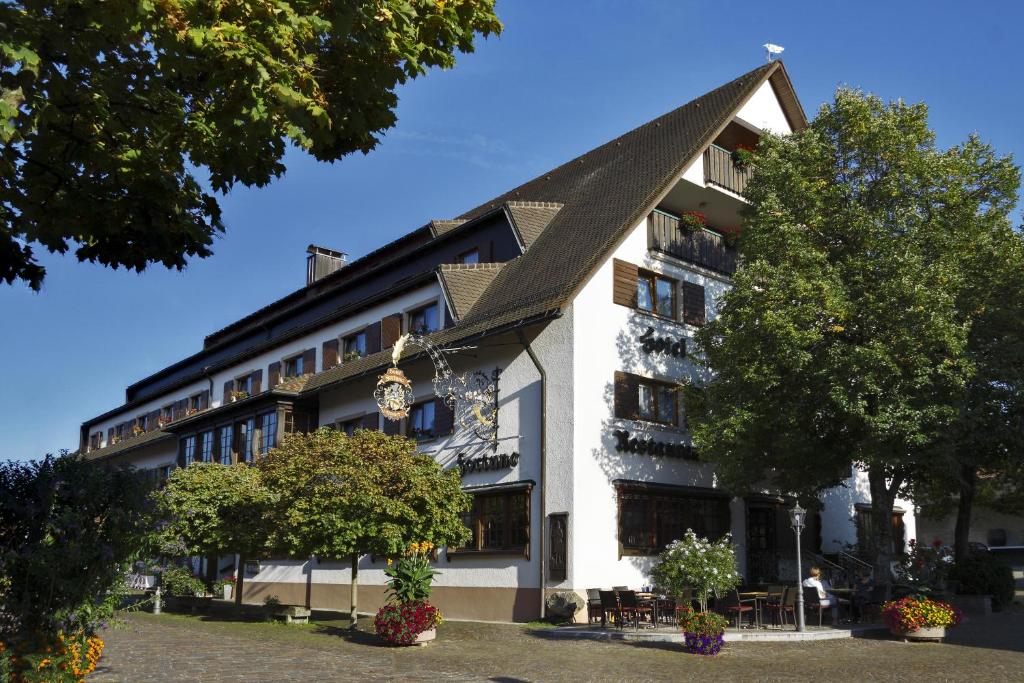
(968, 486)
(239, 580)
(353, 614)
(883, 496)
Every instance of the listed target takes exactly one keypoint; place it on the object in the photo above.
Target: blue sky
(564, 77)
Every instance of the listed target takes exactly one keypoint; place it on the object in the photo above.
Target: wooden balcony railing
(701, 247)
(720, 170)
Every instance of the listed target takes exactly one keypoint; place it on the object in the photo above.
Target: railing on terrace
(720, 170)
(702, 247)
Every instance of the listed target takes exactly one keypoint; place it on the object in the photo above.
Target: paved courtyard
(179, 648)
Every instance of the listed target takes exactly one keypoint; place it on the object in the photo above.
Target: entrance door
(762, 546)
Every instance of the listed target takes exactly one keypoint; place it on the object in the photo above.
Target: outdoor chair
(593, 604)
(813, 602)
(609, 605)
(878, 596)
(630, 608)
(666, 610)
(775, 594)
(785, 605)
(683, 601)
(619, 589)
(731, 604)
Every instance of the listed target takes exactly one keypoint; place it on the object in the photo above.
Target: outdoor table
(652, 600)
(758, 597)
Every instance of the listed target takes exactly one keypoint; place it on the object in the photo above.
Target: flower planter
(426, 636)
(703, 645)
(227, 592)
(933, 634)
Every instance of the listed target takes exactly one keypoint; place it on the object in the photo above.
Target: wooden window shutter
(257, 381)
(444, 417)
(330, 353)
(229, 386)
(152, 420)
(181, 453)
(392, 427)
(110, 436)
(390, 330)
(693, 304)
(180, 407)
(624, 283)
(274, 373)
(309, 362)
(204, 399)
(373, 338)
(371, 421)
(627, 400)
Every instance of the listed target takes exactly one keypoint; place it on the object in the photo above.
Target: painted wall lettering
(486, 463)
(651, 344)
(627, 443)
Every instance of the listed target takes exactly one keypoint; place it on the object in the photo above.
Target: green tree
(211, 509)
(109, 110)
(343, 496)
(69, 531)
(844, 340)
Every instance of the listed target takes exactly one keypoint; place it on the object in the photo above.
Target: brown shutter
(257, 381)
(693, 304)
(152, 420)
(204, 399)
(624, 283)
(181, 453)
(229, 386)
(330, 353)
(110, 436)
(180, 407)
(444, 417)
(274, 373)
(390, 330)
(392, 427)
(371, 421)
(309, 362)
(373, 338)
(627, 399)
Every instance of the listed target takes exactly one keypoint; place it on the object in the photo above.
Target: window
(353, 347)
(244, 383)
(95, 441)
(349, 426)
(206, 446)
(499, 522)
(243, 439)
(866, 537)
(167, 413)
(195, 403)
(267, 431)
(424, 320)
(421, 420)
(224, 440)
(471, 256)
(121, 431)
(641, 398)
(188, 450)
(656, 294)
(293, 367)
(651, 519)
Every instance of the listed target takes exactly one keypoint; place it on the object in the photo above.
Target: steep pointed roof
(464, 283)
(607, 191)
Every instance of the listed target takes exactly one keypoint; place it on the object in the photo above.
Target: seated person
(862, 587)
(825, 595)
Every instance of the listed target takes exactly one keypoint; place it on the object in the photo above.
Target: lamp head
(797, 517)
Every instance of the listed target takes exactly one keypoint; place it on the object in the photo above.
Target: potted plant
(238, 395)
(351, 356)
(742, 156)
(408, 618)
(224, 587)
(730, 234)
(692, 221)
(702, 631)
(917, 617)
(705, 567)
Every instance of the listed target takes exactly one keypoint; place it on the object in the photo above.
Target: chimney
(322, 262)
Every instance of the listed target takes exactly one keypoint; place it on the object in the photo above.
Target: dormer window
(424, 320)
(354, 347)
(468, 257)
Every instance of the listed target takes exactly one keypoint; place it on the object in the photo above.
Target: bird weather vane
(771, 49)
(472, 398)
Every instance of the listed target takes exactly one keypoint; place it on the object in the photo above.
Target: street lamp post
(797, 517)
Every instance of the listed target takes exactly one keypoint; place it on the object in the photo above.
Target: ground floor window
(866, 531)
(499, 521)
(267, 437)
(206, 446)
(187, 450)
(651, 518)
(243, 439)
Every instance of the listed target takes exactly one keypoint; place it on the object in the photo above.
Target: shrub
(693, 562)
(180, 582)
(742, 156)
(703, 630)
(399, 624)
(50, 659)
(916, 612)
(984, 574)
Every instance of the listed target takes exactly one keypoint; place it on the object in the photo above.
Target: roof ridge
(534, 205)
(449, 267)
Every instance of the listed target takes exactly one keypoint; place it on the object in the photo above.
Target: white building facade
(578, 293)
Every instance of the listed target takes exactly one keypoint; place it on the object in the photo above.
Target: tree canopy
(109, 111)
(844, 342)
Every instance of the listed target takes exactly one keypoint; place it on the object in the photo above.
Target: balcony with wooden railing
(721, 170)
(701, 247)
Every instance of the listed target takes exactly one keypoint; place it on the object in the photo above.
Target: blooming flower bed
(57, 659)
(702, 631)
(915, 612)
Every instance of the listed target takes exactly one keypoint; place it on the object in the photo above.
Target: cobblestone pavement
(178, 648)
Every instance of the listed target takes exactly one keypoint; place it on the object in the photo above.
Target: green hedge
(985, 574)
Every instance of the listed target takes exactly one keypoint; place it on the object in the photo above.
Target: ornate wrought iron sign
(625, 442)
(652, 344)
(486, 463)
(393, 394)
